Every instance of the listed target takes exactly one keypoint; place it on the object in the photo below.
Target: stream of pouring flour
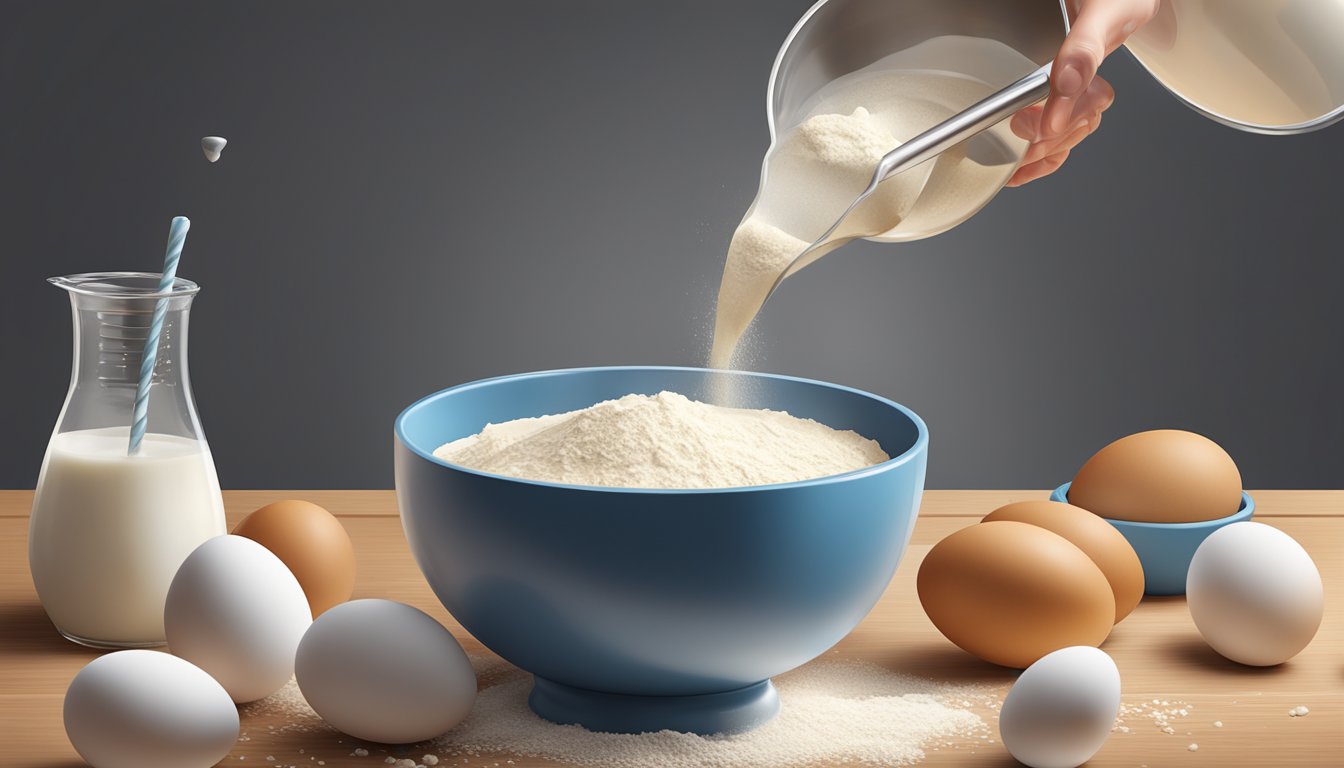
(816, 168)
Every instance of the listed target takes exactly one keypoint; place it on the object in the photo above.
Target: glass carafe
(108, 529)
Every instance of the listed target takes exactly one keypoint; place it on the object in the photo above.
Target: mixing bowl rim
(919, 446)
(1244, 512)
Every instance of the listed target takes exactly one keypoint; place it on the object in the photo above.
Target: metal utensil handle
(979, 116)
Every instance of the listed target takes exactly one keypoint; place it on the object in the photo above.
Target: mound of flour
(664, 441)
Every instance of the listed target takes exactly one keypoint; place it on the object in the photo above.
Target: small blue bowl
(1165, 549)
(641, 610)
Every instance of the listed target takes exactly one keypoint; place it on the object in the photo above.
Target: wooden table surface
(1158, 650)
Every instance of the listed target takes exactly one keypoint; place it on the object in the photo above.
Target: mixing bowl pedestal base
(728, 712)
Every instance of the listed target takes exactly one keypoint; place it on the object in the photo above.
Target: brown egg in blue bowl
(1165, 491)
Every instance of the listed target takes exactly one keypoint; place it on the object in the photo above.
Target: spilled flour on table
(287, 705)
(1162, 714)
(830, 712)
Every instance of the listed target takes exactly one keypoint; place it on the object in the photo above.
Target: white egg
(1062, 708)
(145, 709)
(1255, 594)
(386, 672)
(237, 612)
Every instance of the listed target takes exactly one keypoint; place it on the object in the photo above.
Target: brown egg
(1163, 476)
(1011, 592)
(312, 543)
(1098, 539)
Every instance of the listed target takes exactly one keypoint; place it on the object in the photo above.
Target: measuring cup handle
(984, 114)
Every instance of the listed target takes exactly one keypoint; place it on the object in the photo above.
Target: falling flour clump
(664, 441)
(830, 712)
(212, 146)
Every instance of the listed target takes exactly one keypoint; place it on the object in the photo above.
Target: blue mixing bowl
(639, 610)
(1165, 549)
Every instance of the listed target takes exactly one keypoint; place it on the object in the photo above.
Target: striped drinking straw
(177, 237)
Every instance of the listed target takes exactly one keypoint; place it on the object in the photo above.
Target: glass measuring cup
(108, 530)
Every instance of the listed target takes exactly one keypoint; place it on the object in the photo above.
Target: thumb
(1100, 27)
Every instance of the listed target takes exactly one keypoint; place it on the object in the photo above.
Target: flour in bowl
(664, 441)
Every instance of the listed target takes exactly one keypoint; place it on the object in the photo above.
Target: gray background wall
(420, 194)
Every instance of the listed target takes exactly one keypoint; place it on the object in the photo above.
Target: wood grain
(1159, 653)
(935, 504)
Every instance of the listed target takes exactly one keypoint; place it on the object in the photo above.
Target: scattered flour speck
(1161, 713)
(287, 703)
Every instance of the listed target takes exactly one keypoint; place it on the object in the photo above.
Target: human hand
(1077, 96)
